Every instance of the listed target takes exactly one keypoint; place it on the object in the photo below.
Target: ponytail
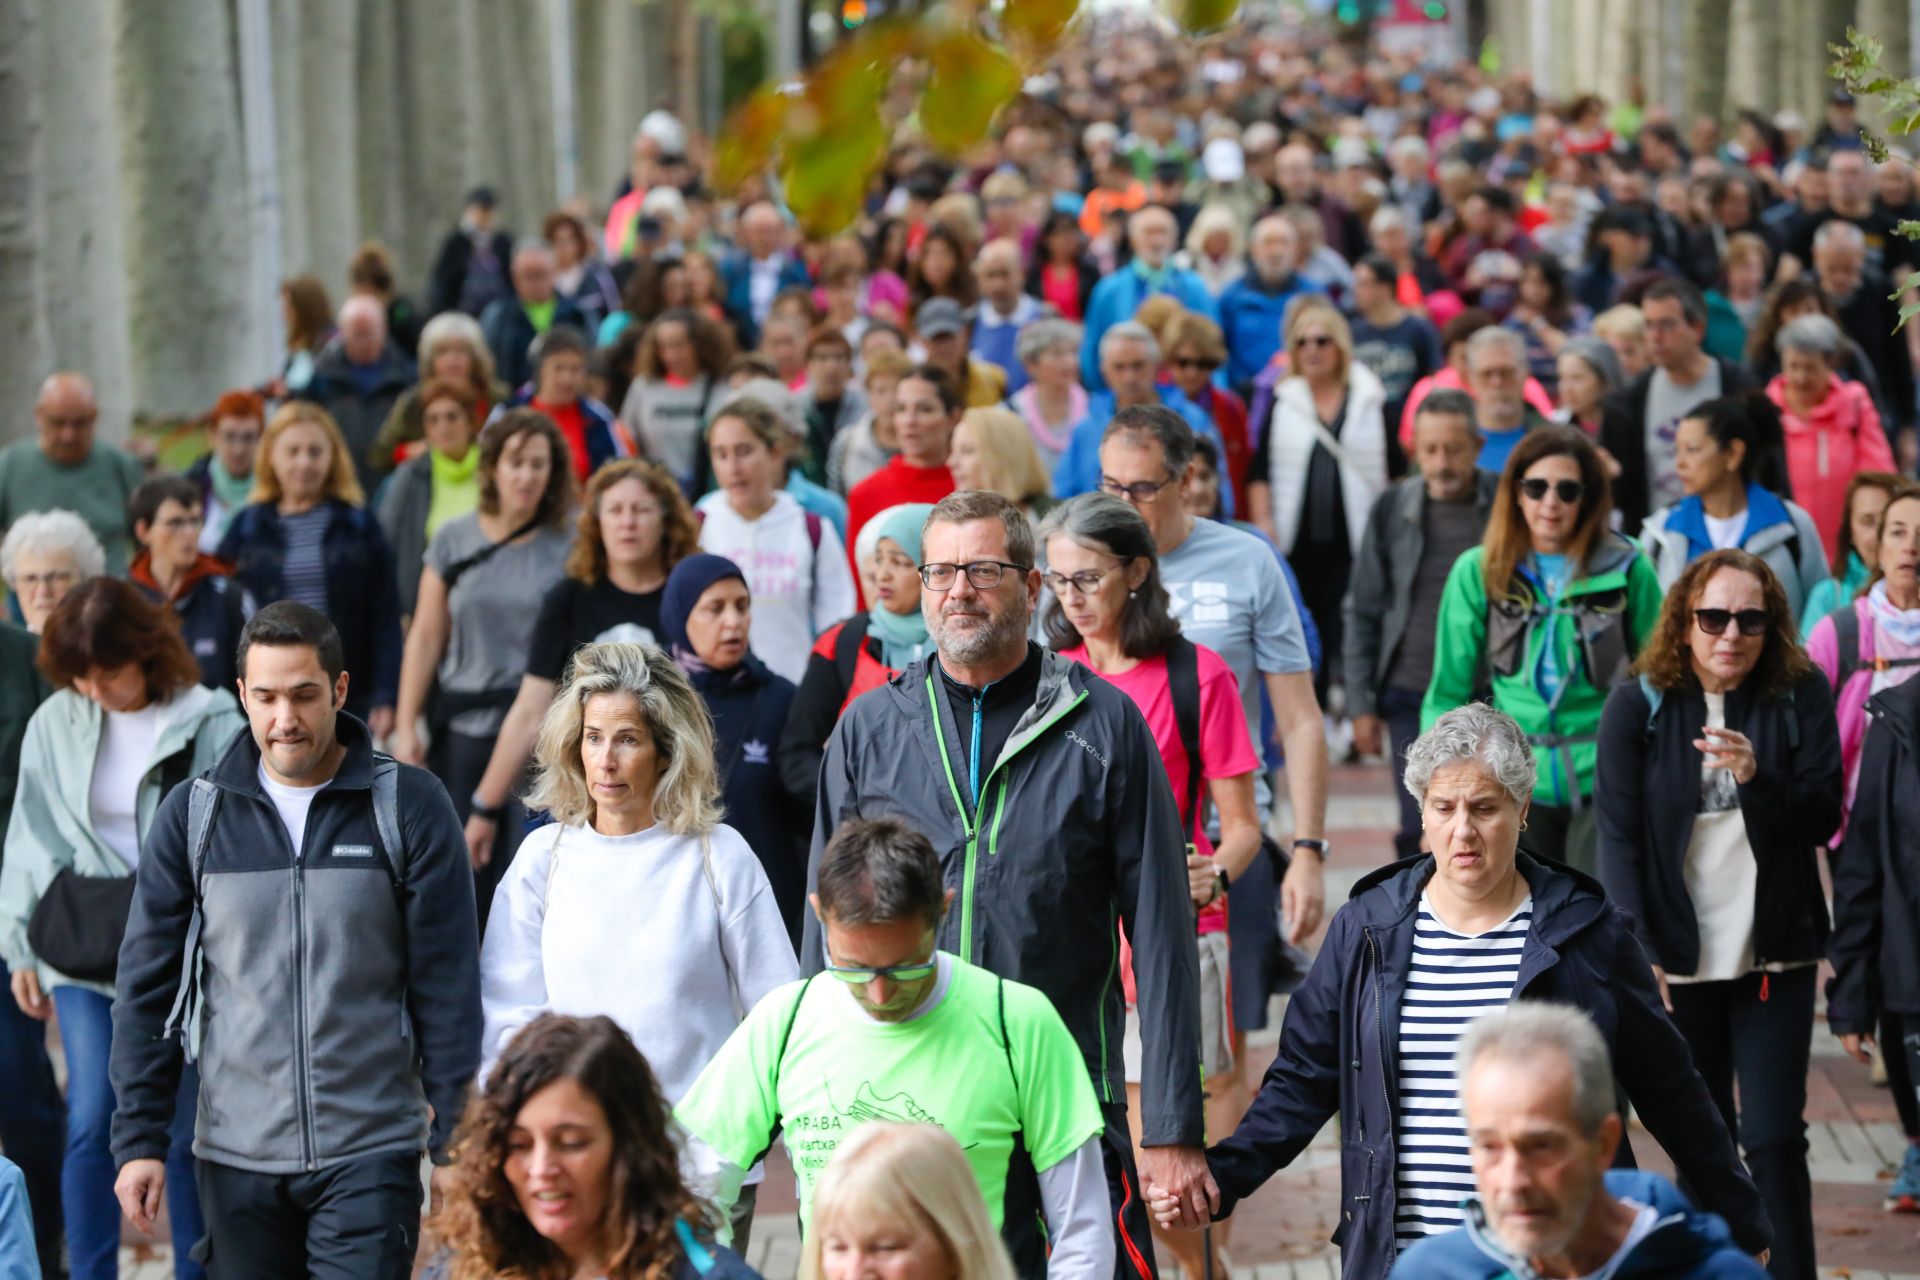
(1753, 420)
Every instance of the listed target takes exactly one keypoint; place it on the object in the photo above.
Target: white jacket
(799, 590)
(1362, 453)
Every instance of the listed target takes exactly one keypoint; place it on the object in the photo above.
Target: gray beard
(974, 648)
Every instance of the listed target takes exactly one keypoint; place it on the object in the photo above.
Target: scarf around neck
(1902, 624)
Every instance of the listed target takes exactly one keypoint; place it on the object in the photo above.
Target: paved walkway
(1281, 1232)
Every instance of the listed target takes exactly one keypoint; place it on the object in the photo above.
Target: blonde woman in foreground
(899, 1202)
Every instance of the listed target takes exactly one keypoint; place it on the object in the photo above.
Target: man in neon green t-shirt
(895, 1030)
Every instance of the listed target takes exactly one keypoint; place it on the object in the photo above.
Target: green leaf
(968, 81)
(1911, 230)
(1197, 17)
(1907, 313)
(1036, 25)
(825, 176)
(747, 143)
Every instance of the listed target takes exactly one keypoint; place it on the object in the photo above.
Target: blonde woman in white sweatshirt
(638, 902)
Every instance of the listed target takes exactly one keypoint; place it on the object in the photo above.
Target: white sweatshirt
(798, 590)
(629, 927)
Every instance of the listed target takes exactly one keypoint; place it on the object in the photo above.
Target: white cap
(664, 129)
(1351, 153)
(1224, 161)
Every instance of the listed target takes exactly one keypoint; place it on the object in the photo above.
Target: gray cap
(939, 317)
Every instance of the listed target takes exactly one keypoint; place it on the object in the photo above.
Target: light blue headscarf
(903, 636)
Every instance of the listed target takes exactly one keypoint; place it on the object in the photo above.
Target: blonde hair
(1317, 307)
(1009, 464)
(1622, 321)
(913, 1175)
(687, 799)
(1212, 218)
(342, 483)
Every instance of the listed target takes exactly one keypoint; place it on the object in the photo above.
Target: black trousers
(354, 1221)
(1900, 1049)
(1400, 708)
(1758, 1030)
(460, 762)
(1133, 1231)
(1567, 834)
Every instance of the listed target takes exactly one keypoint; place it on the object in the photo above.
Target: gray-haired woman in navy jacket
(1719, 776)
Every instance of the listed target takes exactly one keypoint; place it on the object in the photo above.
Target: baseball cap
(482, 196)
(939, 317)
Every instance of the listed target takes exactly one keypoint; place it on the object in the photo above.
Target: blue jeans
(86, 1184)
(31, 1124)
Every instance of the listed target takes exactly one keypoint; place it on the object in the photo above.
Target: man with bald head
(358, 377)
(1005, 308)
(63, 468)
(511, 324)
(758, 270)
(1150, 271)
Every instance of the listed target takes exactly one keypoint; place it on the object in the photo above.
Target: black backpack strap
(1846, 643)
(458, 569)
(1183, 683)
(786, 1033)
(1006, 1041)
(847, 647)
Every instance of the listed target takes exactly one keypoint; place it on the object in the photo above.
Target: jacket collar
(1898, 711)
(239, 767)
(204, 566)
(1689, 518)
(1413, 495)
(1061, 681)
(1681, 1238)
(1565, 901)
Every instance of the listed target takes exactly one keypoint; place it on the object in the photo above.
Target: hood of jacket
(1689, 518)
(1838, 410)
(204, 566)
(1565, 901)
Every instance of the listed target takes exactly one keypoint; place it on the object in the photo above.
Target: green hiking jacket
(1597, 628)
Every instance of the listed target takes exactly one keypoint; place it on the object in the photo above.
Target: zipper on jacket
(1113, 970)
(1380, 1030)
(303, 1069)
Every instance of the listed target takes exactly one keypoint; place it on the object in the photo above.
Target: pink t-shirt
(1225, 749)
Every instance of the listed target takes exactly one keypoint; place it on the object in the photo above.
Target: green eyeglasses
(892, 973)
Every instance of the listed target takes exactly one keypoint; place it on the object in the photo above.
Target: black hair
(1381, 268)
(287, 624)
(877, 871)
(150, 495)
(561, 338)
(1752, 420)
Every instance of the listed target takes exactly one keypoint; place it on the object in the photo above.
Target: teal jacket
(52, 825)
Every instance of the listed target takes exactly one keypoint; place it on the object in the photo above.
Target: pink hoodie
(1850, 702)
(1841, 436)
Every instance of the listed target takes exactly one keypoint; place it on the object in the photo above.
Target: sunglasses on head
(1752, 622)
(1569, 491)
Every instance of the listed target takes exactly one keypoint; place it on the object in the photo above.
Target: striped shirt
(303, 575)
(1455, 978)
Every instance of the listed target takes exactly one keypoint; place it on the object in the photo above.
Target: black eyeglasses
(1752, 622)
(1569, 491)
(891, 972)
(985, 575)
(1138, 491)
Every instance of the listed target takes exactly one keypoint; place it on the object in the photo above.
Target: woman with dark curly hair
(682, 360)
(564, 1166)
(1721, 776)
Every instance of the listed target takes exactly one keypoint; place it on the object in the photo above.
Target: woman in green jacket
(1547, 612)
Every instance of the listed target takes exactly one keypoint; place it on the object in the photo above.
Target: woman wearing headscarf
(706, 613)
(865, 651)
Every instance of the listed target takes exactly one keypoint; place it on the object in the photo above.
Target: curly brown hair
(481, 1220)
(679, 532)
(494, 438)
(105, 623)
(712, 346)
(1666, 660)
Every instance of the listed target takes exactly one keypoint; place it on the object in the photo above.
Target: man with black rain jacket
(1042, 789)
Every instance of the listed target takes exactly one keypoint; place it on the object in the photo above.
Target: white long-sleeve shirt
(629, 927)
(799, 590)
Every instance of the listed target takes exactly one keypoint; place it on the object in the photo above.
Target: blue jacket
(1685, 1244)
(1078, 470)
(737, 292)
(1118, 297)
(363, 596)
(1778, 531)
(19, 1259)
(1337, 1058)
(1250, 316)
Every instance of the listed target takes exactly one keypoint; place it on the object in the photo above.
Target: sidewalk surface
(1281, 1232)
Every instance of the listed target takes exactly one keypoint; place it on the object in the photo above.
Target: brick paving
(1281, 1232)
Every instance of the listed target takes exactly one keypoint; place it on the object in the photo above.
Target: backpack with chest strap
(203, 804)
(1847, 637)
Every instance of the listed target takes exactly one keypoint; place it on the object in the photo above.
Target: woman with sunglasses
(1196, 349)
(1549, 611)
(1321, 461)
(1721, 776)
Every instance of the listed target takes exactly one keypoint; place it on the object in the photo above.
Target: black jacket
(510, 335)
(449, 276)
(1876, 878)
(22, 690)
(213, 609)
(1648, 781)
(1337, 1055)
(1623, 433)
(749, 715)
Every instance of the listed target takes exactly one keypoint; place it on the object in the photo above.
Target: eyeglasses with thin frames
(1086, 582)
(984, 575)
(1137, 492)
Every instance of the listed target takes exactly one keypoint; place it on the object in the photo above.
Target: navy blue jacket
(213, 609)
(1876, 879)
(736, 279)
(1684, 1244)
(749, 717)
(1337, 1054)
(510, 334)
(363, 597)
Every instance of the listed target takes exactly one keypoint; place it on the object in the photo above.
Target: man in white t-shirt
(1537, 1093)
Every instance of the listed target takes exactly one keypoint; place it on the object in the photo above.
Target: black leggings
(1900, 1048)
(1759, 1029)
(460, 762)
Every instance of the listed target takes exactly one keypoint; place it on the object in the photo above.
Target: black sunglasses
(1570, 491)
(1752, 622)
(1193, 362)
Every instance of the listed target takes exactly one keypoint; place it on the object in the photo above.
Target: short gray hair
(1810, 335)
(877, 871)
(1839, 235)
(1041, 336)
(1497, 336)
(1131, 331)
(1158, 423)
(450, 328)
(968, 505)
(1478, 734)
(1529, 1029)
(45, 531)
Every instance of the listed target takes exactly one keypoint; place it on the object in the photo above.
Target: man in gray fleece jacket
(304, 928)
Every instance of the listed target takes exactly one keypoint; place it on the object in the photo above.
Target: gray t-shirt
(492, 612)
(1228, 594)
(666, 421)
(1667, 403)
(1447, 529)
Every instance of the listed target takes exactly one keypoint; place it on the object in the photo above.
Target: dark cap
(1841, 97)
(483, 196)
(939, 317)
(1170, 171)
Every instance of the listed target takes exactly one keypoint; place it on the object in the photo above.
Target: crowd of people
(480, 754)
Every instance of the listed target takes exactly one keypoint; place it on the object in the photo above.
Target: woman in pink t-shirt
(1108, 610)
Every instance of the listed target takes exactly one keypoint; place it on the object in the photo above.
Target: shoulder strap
(458, 568)
(1006, 1040)
(1183, 684)
(386, 816)
(852, 638)
(1654, 695)
(201, 802)
(1846, 638)
(813, 565)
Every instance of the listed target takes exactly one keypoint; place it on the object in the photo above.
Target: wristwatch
(477, 810)
(1221, 883)
(1319, 848)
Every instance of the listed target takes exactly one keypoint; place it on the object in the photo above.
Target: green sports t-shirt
(949, 1067)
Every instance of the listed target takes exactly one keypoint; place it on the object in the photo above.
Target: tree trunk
(1708, 25)
(185, 184)
(84, 249)
(24, 338)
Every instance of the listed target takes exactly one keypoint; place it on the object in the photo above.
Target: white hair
(1037, 337)
(52, 531)
(1496, 336)
(1131, 331)
(1408, 144)
(1810, 335)
(1529, 1029)
(1476, 734)
(1839, 235)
